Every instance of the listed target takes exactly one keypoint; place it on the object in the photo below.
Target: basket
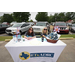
(52, 41)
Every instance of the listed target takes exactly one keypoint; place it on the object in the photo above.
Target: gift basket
(53, 37)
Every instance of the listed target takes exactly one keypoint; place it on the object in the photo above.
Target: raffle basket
(52, 41)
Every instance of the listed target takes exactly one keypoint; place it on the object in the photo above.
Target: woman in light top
(30, 34)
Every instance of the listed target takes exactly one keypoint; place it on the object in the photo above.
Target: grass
(2, 38)
(68, 35)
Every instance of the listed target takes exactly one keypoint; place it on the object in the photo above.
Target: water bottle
(14, 38)
(42, 39)
(21, 39)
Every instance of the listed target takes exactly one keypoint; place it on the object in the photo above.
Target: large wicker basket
(52, 41)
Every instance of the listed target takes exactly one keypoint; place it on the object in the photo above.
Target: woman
(44, 32)
(30, 34)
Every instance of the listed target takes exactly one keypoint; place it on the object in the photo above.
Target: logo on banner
(26, 55)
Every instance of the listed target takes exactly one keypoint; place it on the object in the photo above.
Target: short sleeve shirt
(29, 35)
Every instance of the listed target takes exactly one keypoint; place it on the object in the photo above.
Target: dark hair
(28, 33)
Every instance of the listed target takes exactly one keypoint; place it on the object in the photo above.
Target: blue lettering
(42, 55)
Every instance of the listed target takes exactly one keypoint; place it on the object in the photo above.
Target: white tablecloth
(35, 52)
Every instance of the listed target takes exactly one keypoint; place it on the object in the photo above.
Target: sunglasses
(45, 29)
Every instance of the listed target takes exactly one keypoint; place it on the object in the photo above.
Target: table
(34, 50)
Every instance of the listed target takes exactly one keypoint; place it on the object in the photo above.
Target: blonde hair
(43, 31)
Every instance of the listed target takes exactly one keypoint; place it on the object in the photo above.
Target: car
(31, 23)
(12, 23)
(3, 27)
(69, 25)
(23, 22)
(22, 27)
(39, 27)
(73, 28)
(62, 26)
(5, 23)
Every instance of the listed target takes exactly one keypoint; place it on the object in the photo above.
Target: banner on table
(25, 55)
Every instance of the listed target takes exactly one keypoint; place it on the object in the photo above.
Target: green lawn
(68, 35)
(2, 38)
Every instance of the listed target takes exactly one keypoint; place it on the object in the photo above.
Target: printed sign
(26, 55)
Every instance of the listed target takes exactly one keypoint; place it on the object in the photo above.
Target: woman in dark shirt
(44, 32)
(30, 34)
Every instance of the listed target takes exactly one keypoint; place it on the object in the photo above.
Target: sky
(33, 14)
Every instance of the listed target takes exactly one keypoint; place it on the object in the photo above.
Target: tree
(50, 18)
(31, 20)
(1, 19)
(21, 16)
(7, 18)
(70, 15)
(56, 17)
(61, 16)
(42, 16)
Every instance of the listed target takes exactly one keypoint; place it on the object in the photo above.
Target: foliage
(62, 17)
(31, 21)
(1, 18)
(7, 18)
(21, 16)
(42, 16)
(15, 16)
